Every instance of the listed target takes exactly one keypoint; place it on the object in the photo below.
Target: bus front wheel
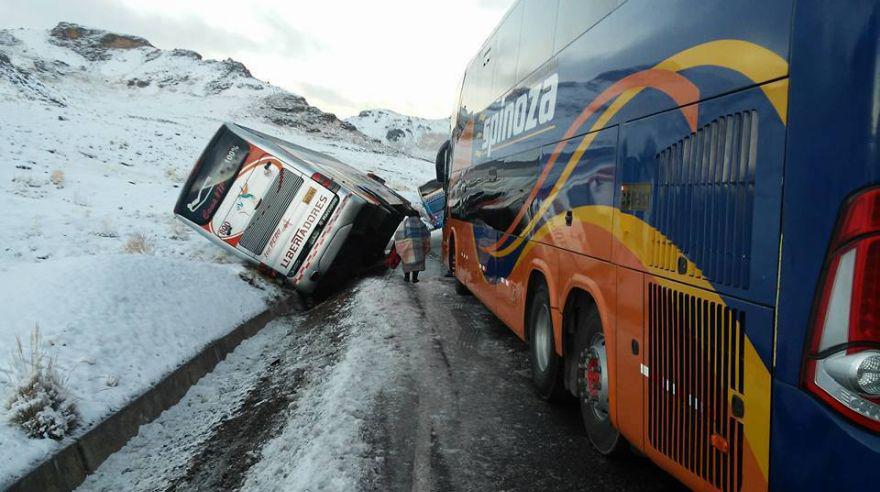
(592, 385)
(547, 367)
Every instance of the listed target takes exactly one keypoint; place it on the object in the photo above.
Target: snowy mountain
(418, 137)
(100, 130)
(31, 63)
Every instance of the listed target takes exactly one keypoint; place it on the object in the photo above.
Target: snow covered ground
(386, 386)
(163, 448)
(327, 379)
(98, 135)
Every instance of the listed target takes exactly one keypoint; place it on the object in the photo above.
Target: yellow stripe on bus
(632, 232)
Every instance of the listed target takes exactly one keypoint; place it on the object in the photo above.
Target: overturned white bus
(305, 215)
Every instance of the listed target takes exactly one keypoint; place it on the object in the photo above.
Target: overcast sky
(342, 55)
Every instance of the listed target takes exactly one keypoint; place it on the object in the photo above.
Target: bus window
(576, 16)
(483, 95)
(455, 122)
(469, 92)
(536, 41)
(506, 50)
(212, 177)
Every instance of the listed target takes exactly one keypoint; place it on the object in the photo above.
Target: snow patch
(162, 449)
(322, 446)
(128, 318)
(418, 137)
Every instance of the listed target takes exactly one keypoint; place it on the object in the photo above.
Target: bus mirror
(441, 162)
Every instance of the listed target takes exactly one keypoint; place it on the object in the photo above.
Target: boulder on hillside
(93, 44)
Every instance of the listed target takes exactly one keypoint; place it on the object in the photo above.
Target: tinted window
(483, 76)
(213, 176)
(576, 16)
(536, 40)
(469, 92)
(506, 51)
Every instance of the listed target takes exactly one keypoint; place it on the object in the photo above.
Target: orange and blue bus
(676, 203)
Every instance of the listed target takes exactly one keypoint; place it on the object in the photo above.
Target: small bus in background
(676, 203)
(434, 202)
(305, 215)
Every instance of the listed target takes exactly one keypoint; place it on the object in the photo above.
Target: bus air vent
(704, 200)
(270, 210)
(695, 387)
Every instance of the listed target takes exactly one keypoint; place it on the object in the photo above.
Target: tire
(547, 367)
(592, 384)
(460, 288)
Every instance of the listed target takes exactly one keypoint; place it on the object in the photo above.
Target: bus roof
(354, 181)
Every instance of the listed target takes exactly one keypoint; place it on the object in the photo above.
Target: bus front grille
(269, 212)
(695, 384)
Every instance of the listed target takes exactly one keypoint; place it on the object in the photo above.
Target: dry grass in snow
(57, 178)
(40, 403)
(138, 244)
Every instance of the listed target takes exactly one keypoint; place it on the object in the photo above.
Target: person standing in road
(412, 242)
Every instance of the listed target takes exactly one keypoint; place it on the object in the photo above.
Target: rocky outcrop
(394, 135)
(141, 67)
(186, 54)
(417, 137)
(7, 39)
(26, 83)
(94, 44)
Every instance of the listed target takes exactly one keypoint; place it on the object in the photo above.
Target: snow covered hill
(418, 137)
(99, 131)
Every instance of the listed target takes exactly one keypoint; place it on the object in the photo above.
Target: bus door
(517, 175)
(479, 196)
(697, 222)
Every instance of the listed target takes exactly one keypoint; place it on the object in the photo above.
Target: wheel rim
(542, 337)
(593, 365)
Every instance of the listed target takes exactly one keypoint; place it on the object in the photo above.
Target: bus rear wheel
(592, 386)
(547, 367)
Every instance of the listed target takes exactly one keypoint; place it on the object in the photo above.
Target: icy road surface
(386, 386)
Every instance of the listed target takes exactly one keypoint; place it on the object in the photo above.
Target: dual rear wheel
(591, 377)
(548, 368)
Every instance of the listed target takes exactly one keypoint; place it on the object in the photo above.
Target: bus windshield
(214, 174)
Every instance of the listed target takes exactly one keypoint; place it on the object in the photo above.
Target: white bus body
(288, 208)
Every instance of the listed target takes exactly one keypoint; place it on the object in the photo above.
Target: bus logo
(300, 236)
(535, 107)
(309, 195)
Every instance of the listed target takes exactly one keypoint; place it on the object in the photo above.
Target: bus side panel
(688, 196)
(707, 414)
(468, 268)
(511, 290)
(720, 47)
(630, 349)
(701, 204)
(586, 193)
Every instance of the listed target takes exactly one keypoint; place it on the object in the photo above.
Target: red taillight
(862, 216)
(325, 181)
(843, 364)
(864, 325)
